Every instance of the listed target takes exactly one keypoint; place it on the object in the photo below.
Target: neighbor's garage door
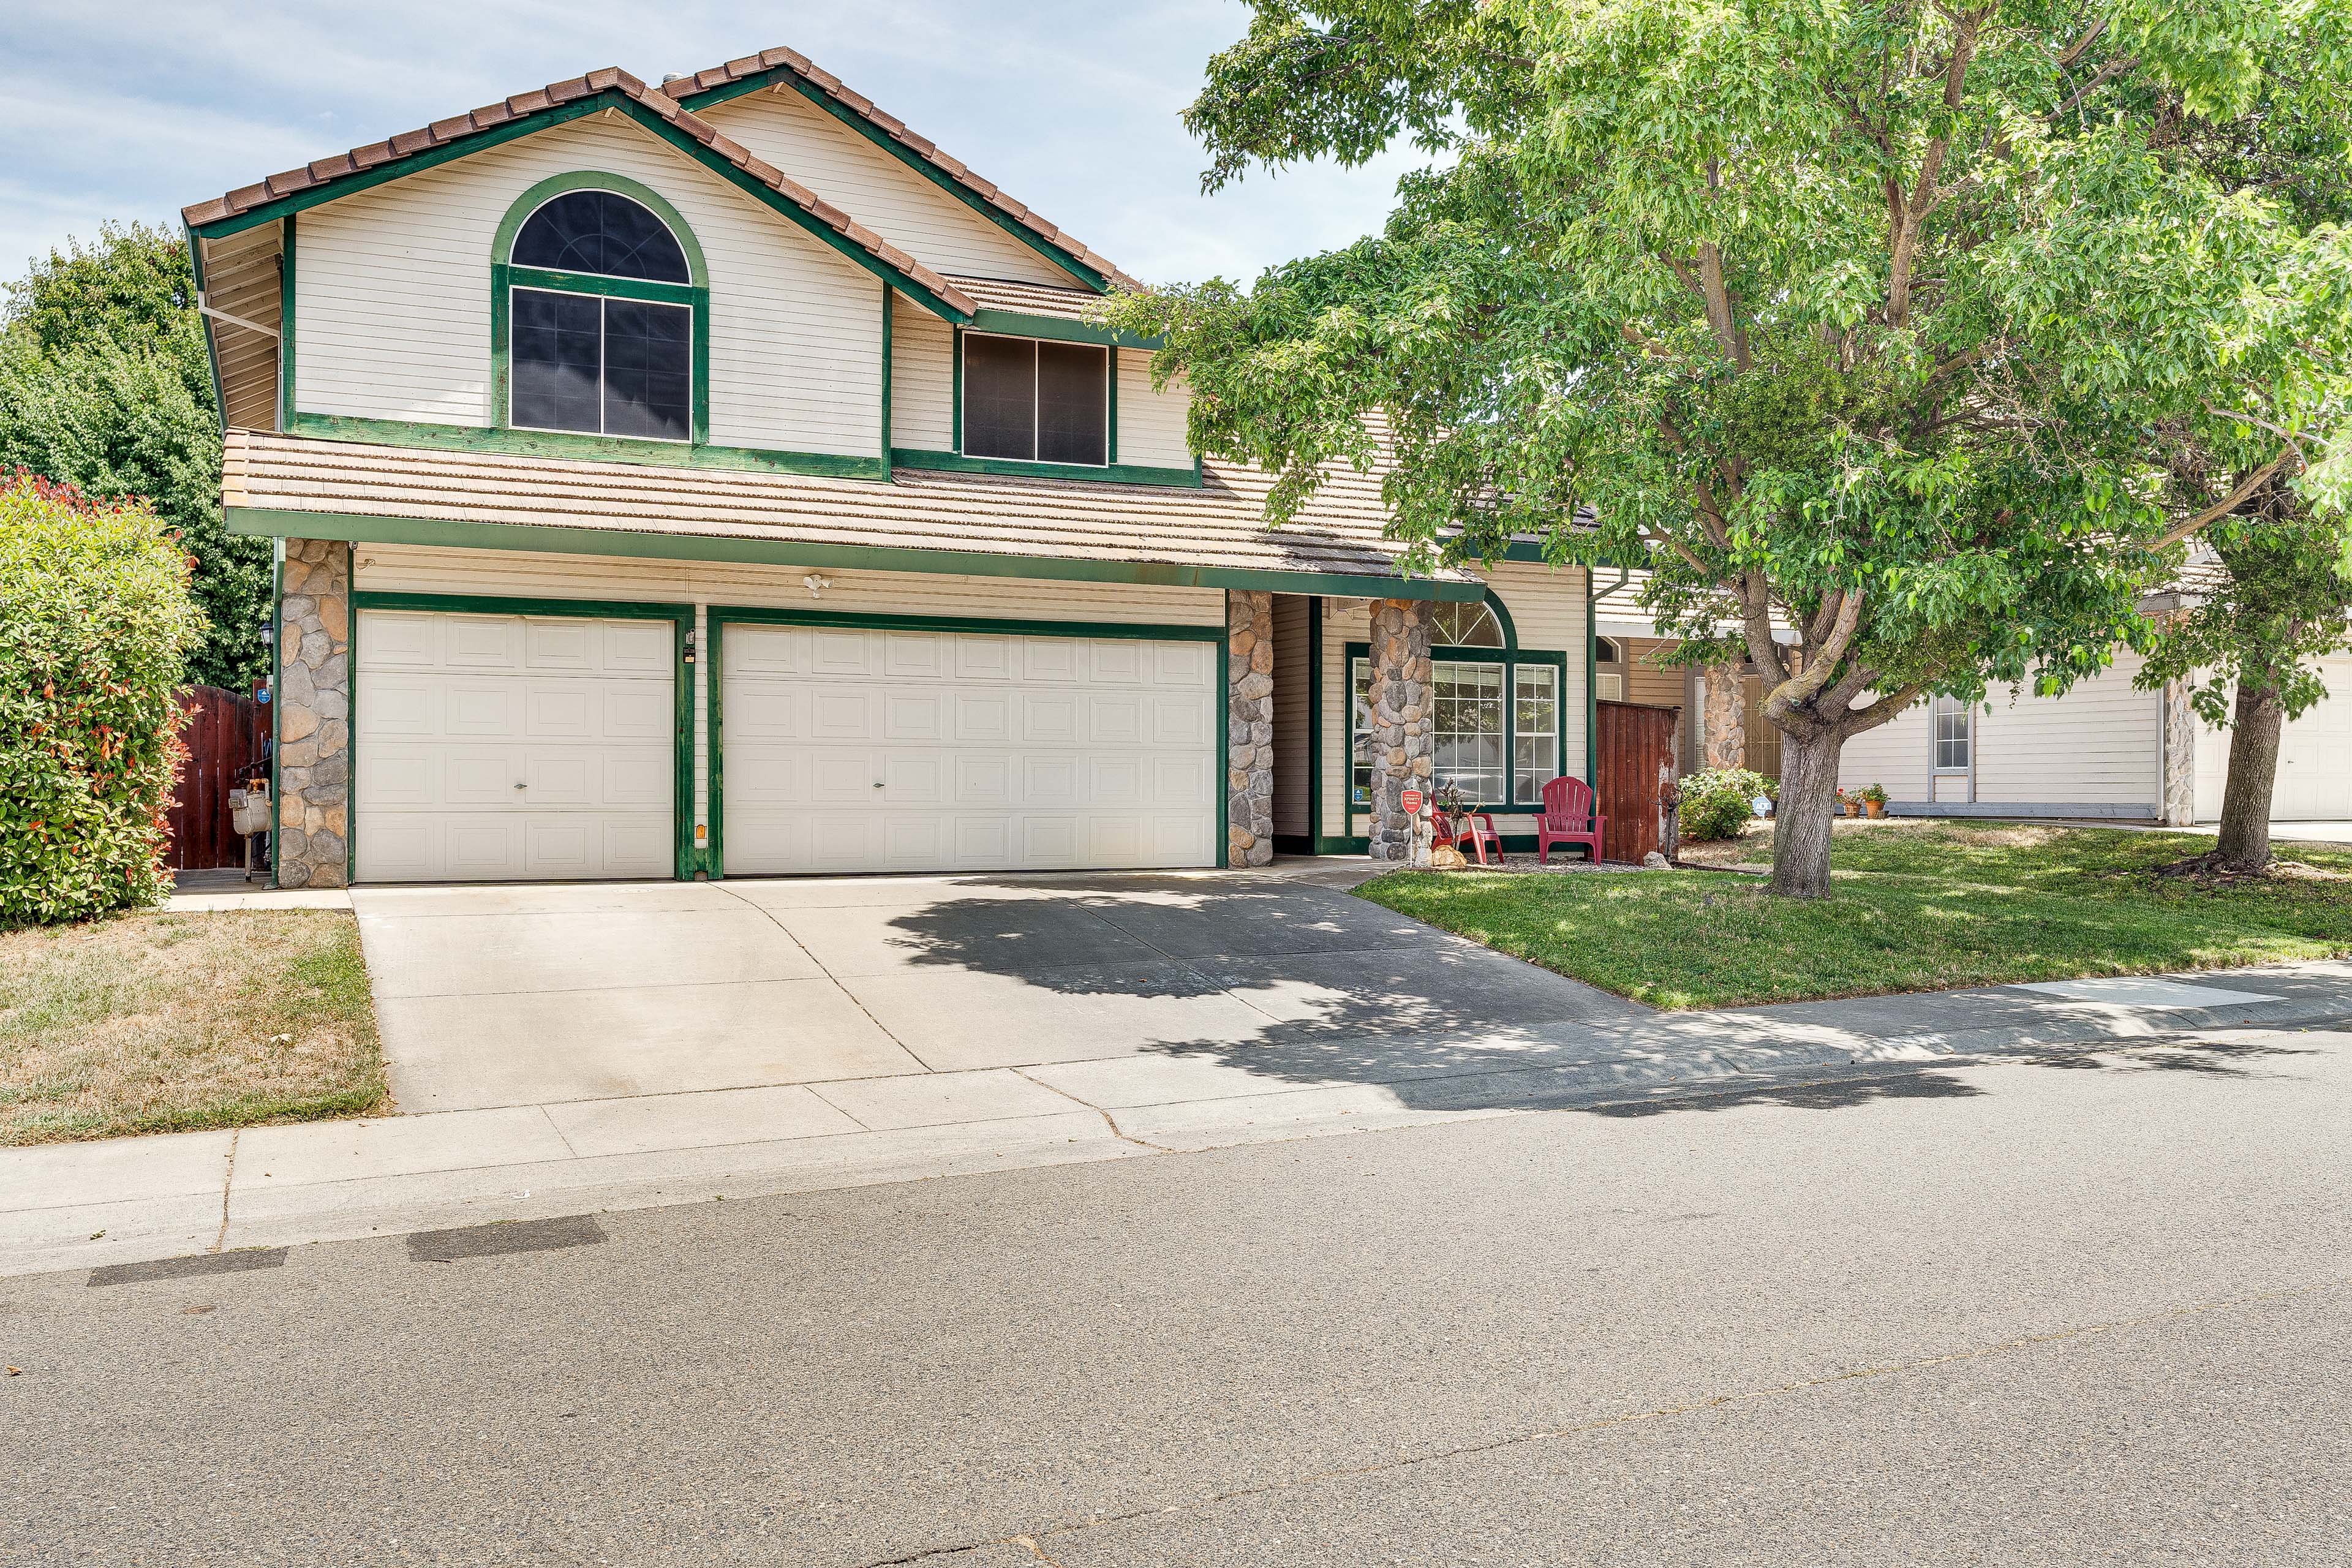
(850, 750)
(511, 748)
(2315, 771)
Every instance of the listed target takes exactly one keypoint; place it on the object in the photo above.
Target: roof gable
(329, 179)
(783, 66)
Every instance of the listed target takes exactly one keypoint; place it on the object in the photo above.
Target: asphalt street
(2083, 1309)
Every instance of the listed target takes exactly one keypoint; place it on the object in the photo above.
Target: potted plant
(1874, 800)
(1849, 803)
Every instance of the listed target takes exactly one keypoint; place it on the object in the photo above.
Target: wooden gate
(225, 734)
(1637, 776)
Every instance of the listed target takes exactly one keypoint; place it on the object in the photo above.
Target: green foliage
(1720, 802)
(2277, 599)
(1926, 332)
(104, 386)
(95, 626)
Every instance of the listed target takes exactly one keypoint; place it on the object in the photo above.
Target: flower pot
(1874, 808)
(1853, 808)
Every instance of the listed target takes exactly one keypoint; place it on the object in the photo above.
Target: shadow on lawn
(1299, 985)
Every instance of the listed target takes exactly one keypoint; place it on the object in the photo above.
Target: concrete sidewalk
(125, 1200)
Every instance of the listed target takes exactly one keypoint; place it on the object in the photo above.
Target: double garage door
(496, 748)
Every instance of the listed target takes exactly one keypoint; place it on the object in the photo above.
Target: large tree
(1851, 320)
(104, 386)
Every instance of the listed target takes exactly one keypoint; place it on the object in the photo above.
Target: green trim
(285, 327)
(1061, 329)
(597, 283)
(1591, 700)
(1221, 847)
(351, 726)
(370, 529)
(277, 706)
(886, 369)
(681, 619)
(955, 393)
(1315, 724)
(1114, 473)
(538, 196)
(695, 103)
(1110, 413)
(574, 444)
(714, 858)
(613, 98)
(212, 349)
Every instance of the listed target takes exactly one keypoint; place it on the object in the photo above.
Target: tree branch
(2229, 503)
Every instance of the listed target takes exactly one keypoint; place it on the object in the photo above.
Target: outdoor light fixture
(816, 583)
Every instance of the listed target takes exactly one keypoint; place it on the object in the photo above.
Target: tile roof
(442, 133)
(896, 130)
(1219, 525)
(1029, 298)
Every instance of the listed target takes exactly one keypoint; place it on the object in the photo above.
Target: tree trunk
(2245, 843)
(1800, 835)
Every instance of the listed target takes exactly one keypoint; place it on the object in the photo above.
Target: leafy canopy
(104, 386)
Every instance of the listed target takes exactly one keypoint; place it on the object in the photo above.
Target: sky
(132, 109)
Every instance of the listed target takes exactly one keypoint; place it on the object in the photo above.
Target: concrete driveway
(533, 995)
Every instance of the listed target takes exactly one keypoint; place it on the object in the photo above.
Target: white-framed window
(1956, 735)
(1535, 730)
(1036, 401)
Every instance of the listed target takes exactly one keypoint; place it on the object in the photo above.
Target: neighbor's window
(1535, 730)
(581, 358)
(1036, 401)
(1955, 734)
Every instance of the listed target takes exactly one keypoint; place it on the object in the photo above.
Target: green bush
(95, 625)
(1719, 802)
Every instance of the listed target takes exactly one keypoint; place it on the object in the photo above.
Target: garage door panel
(992, 751)
(456, 710)
(1182, 664)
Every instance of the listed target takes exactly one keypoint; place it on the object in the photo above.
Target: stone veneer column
(1249, 700)
(2179, 757)
(1404, 722)
(1723, 727)
(313, 708)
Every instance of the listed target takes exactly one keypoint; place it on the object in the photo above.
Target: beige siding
(400, 568)
(873, 186)
(393, 297)
(2098, 745)
(1150, 424)
(1292, 716)
(922, 379)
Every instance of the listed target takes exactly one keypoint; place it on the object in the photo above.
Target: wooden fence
(225, 734)
(1637, 776)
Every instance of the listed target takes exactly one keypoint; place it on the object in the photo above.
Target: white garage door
(850, 750)
(511, 748)
(2315, 771)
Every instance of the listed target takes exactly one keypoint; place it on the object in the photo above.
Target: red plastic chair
(1476, 829)
(1570, 815)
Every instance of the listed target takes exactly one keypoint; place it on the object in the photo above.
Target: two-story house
(723, 479)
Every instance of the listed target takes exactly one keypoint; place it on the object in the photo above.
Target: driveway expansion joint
(770, 915)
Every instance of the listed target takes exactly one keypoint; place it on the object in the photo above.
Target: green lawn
(1916, 906)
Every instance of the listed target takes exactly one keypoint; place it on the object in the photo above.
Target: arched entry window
(1465, 626)
(600, 315)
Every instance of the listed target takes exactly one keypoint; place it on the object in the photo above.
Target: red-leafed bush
(95, 621)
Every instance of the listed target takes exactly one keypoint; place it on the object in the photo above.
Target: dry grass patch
(163, 1023)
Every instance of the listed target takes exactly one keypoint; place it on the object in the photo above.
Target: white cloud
(135, 109)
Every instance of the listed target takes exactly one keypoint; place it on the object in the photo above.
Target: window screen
(597, 231)
(1535, 730)
(1035, 402)
(610, 367)
(1469, 730)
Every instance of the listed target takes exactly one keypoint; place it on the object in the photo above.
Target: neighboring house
(723, 479)
(2106, 748)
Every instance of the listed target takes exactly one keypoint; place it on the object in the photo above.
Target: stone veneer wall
(1249, 697)
(2180, 756)
(313, 707)
(1404, 722)
(1724, 724)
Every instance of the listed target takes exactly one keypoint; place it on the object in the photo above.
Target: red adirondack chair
(1570, 815)
(1475, 828)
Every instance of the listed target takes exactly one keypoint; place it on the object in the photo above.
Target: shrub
(1718, 803)
(95, 622)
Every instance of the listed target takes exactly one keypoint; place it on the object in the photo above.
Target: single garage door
(514, 748)
(857, 750)
(2315, 771)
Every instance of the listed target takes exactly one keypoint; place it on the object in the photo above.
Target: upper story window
(1036, 401)
(601, 335)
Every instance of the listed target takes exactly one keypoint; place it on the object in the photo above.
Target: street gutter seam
(1550, 1434)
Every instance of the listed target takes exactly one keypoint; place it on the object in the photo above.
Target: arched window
(601, 310)
(1465, 626)
(1605, 651)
